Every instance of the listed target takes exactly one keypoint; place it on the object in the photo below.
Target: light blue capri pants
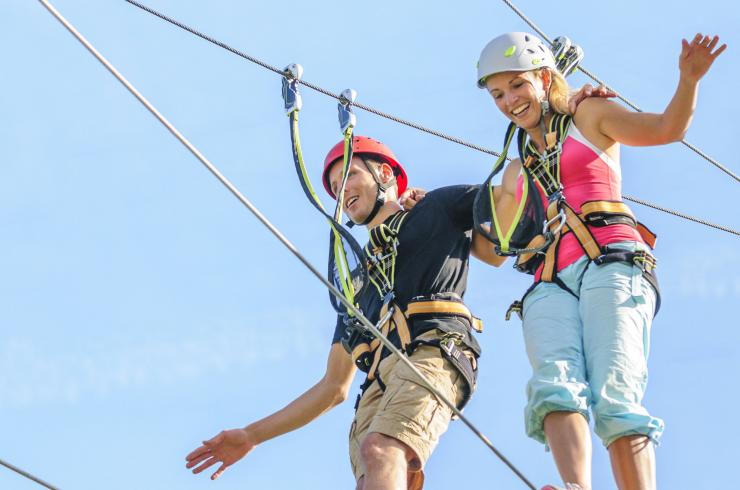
(591, 351)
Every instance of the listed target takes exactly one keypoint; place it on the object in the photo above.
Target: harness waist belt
(438, 307)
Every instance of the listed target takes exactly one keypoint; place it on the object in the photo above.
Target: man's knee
(378, 448)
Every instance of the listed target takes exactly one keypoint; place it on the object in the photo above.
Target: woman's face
(517, 95)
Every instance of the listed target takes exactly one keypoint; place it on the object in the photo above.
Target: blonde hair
(559, 92)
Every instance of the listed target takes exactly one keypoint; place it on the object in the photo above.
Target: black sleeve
(457, 200)
(338, 330)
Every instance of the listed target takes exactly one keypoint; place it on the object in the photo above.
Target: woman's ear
(546, 77)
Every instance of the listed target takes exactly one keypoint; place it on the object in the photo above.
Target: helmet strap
(380, 192)
(545, 111)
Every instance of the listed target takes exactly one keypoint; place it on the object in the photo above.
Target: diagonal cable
(28, 475)
(620, 97)
(284, 240)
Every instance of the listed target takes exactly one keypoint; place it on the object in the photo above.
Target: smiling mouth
(520, 110)
(350, 202)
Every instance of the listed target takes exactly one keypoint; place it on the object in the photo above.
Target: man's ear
(385, 172)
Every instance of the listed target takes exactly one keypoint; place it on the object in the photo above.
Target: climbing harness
(450, 343)
(434, 132)
(534, 235)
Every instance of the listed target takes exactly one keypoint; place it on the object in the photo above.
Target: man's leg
(387, 462)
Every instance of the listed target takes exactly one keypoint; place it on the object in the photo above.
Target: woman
(586, 320)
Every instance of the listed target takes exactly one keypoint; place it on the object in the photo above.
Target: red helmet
(362, 145)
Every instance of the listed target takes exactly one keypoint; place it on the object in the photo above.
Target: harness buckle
(291, 97)
(515, 307)
(449, 341)
(645, 261)
(347, 118)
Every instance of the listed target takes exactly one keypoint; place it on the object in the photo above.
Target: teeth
(351, 201)
(520, 109)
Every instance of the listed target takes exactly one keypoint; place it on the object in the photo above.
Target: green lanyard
(347, 267)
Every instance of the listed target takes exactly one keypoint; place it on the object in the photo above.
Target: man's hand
(411, 197)
(588, 91)
(226, 448)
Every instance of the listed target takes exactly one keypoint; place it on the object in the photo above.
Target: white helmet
(513, 51)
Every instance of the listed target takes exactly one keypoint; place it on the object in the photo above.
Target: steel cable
(399, 120)
(28, 475)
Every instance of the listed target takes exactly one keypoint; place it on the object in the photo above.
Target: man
(420, 274)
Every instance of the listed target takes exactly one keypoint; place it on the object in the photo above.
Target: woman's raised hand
(697, 56)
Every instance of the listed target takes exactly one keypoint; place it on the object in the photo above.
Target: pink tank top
(587, 174)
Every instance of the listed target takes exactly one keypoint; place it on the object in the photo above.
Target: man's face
(359, 193)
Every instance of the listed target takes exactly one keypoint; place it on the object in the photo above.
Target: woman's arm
(504, 197)
(230, 446)
(645, 129)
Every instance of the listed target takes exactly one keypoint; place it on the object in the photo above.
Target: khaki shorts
(406, 410)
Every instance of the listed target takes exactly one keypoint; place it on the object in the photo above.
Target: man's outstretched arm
(229, 446)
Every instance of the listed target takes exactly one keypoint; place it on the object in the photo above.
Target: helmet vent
(526, 38)
(530, 51)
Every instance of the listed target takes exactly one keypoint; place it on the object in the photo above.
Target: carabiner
(291, 97)
(347, 118)
(559, 47)
(570, 60)
(546, 227)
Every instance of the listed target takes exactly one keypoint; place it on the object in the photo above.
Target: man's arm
(230, 446)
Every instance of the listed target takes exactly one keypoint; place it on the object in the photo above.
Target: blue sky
(142, 308)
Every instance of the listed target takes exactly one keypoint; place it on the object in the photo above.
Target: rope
(284, 240)
(28, 475)
(620, 97)
(396, 119)
(310, 85)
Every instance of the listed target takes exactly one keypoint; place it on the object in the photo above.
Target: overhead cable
(393, 118)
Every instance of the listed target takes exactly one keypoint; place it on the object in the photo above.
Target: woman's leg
(633, 462)
(617, 316)
(557, 393)
(570, 442)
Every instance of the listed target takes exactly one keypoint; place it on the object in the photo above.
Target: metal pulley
(292, 99)
(567, 55)
(347, 118)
